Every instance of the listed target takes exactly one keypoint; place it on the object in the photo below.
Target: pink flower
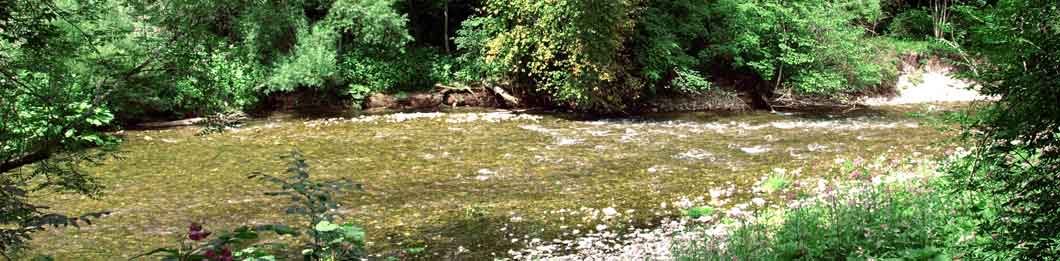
(225, 255)
(196, 233)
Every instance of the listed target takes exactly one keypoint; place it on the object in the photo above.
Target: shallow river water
(469, 185)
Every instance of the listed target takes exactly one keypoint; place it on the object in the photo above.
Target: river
(471, 184)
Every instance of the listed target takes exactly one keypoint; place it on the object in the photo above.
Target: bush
(313, 201)
(891, 216)
(418, 69)
(1017, 157)
(669, 37)
(689, 81)
(793, 45)
(567, 50)
(912, 24)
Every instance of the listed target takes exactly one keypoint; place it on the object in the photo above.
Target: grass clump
(698, 212)
(899, 216)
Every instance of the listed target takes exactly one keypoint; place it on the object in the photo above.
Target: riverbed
(471, 184)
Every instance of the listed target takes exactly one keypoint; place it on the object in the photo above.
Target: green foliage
(567, 50)
(796, 45)
(339, 242)
(52, 109)
(314, 201)
(670, 34)
(689, 81)
(418, 69)
(378, 37)
(196, 245)
(775, 183)
(914, 220)
(281, 46)
(310, 199)
(911, 24)
(698, 212)
(1016, 159)
(312, 64)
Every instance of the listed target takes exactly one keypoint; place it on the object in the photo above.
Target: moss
(440, 186)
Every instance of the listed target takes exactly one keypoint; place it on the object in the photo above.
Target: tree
(56, 80)
(569, 51)
(1018, 155)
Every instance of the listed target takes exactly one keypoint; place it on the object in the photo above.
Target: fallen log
(168, 124)
(512, 100)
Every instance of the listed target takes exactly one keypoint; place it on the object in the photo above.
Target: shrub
(418, 69)
(793, 45)
(669, 37)
(893, 216)
(313, 201)
(1017, 157)
(568, 50)
(689, 81)
(912, 24)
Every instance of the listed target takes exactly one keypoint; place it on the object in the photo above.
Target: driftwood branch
(512, 100)
(177, 123)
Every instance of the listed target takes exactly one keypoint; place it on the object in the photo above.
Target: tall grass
(867, 218)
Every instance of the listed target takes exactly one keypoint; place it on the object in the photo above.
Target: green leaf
(353, 232)
(325, 226)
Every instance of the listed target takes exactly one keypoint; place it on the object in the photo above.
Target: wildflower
(758, 201)
(196, 233)
(601, 227)
(224, 255)
(610, 211)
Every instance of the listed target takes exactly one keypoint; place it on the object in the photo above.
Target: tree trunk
(445, 27)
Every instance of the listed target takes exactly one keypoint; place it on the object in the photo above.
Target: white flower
(716, 193)
(601, 227)
(758, 201)
(610, 211)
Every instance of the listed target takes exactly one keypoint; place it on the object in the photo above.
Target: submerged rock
(755, 149)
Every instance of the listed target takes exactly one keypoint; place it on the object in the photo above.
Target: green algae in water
(464, 185)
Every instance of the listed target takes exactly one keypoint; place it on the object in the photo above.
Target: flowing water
(469, 185)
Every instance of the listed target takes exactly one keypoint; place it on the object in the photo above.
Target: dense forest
(73, 74)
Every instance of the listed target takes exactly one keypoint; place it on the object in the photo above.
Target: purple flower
(196, 233)
(225, 255)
